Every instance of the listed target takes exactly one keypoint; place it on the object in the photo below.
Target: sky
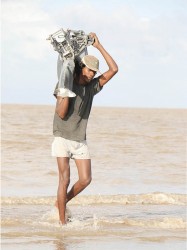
(146, 38)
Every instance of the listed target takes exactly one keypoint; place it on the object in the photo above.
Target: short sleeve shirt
(73, 126)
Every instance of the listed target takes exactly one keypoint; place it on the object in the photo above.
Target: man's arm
(62, 105)
(113, 68)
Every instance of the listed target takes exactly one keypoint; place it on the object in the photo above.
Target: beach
(137, 197)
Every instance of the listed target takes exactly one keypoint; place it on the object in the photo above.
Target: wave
(51, 220)
(150, 198)
(164, 223)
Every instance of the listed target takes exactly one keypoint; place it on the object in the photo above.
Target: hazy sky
(147, 38)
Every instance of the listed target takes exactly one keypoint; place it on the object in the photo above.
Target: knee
(64, 183)
(86, 181)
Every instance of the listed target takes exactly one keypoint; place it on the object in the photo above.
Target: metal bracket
(70, 43)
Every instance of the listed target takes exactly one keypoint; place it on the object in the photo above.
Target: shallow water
(137, 196)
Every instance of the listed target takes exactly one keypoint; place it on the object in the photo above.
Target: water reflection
(60, 244)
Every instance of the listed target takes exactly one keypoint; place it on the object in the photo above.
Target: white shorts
(62, 147)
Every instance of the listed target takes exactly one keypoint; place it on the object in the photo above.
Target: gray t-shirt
(73, 126)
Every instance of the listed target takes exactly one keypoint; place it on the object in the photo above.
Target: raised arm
(112, 66)
(62, 105)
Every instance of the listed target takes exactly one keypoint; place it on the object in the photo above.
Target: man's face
(88, 74)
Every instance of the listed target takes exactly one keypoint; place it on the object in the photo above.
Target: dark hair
(78, 68)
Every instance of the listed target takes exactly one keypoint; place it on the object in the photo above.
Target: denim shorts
(62, 147)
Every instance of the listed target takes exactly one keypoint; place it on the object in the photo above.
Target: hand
(96, 40)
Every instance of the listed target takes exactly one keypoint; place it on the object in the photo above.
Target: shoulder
(94, 86)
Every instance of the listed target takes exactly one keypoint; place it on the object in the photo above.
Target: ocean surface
(136, 200)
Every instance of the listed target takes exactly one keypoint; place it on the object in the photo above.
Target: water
(137, 198)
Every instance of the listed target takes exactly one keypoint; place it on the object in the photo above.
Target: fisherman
(70, 123)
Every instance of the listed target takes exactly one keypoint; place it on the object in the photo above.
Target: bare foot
(62, 224)
(67, 214)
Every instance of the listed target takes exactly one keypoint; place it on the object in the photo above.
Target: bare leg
(84, 171)
(64, 179)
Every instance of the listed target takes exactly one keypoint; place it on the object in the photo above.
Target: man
(70, 122)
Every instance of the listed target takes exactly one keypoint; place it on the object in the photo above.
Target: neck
(80, 80)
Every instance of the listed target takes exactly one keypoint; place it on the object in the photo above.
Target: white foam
(150, 198)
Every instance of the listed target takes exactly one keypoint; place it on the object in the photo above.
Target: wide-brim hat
(91, 62)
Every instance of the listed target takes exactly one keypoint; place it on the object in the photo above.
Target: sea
(137, 198)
